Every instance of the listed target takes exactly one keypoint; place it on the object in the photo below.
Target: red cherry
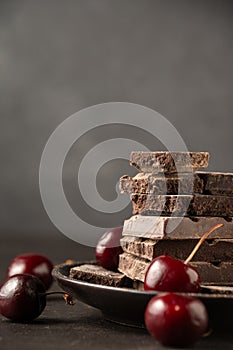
(168, 274)
(176, 320)
(22, 298)
(108, 249)
(33, 264)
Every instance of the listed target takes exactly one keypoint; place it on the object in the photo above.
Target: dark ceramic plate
(126, 306)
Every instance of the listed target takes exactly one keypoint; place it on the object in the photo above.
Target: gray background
(57, 57)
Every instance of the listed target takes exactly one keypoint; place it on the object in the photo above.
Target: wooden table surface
(79, 326)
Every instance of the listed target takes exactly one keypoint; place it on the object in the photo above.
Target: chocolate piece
(134, 268)
(211, 249)
(196, 205)
(157, 184)
(161, 227)
(217, 183)
(218, 273)
(98, 275)
(169, 162)
(140, 183)
(201, 183)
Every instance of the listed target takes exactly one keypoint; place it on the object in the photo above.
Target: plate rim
(58, 275)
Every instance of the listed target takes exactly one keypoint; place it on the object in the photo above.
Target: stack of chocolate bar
(173, 205)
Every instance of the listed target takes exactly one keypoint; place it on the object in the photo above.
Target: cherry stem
(199, 243)
(68, 299)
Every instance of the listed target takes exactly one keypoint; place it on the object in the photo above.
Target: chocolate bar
(133, 267)
(169, 162)
(157, 184)
(217, 183)
(211, 250)
(220, 273)
(195, 205)
(162, 227)
(98, 275)
(200, 183)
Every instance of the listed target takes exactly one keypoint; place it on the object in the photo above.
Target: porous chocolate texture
(156, 184)
(173, 228)
(211, 250)
(218, 273)
(196, 205)
(169, 162)
(201, 183)
(133, 267)
(98, 275)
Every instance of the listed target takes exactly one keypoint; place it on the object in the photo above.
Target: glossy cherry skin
(22, 298)
(108, 249)
(168, 274)
(176, 320)
(33, 264)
